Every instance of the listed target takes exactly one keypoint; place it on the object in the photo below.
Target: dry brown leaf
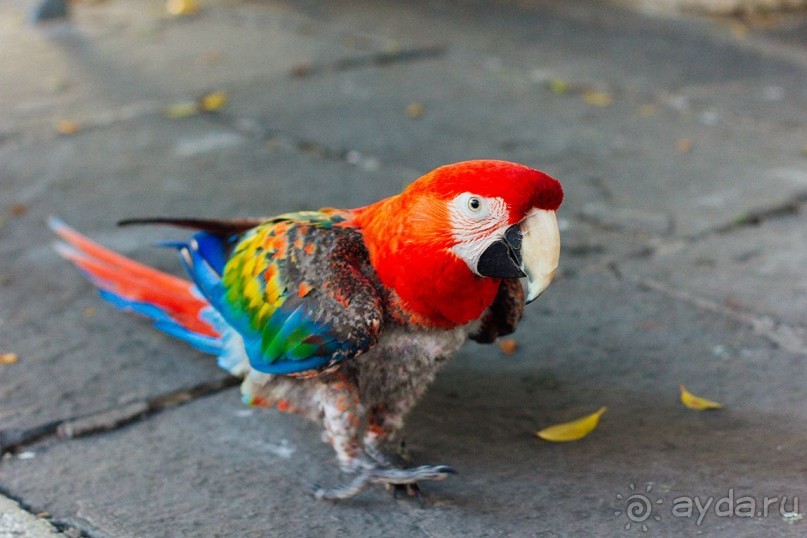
(684, 145)
(738, 30)
(647, 109)
(301, 70)
(212, 57)
(508, 345)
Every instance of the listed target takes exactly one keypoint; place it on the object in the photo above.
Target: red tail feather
(134, 281)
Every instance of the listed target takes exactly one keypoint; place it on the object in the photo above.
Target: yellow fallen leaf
(696, 402)
(179, 111)
(738, 30)
(571, 431)
(414, 110)
(213, 101)
(66, 127)
(392, 47)
(181, 7)
(598, 98)
(647, 109)
(559, 86)
(8, 358)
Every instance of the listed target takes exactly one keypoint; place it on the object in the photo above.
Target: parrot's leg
(341, 412)
(386, 419)
(381, 426)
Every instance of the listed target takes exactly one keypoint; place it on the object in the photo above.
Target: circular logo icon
(638, 507)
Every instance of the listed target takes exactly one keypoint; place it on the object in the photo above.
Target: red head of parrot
(444, 244)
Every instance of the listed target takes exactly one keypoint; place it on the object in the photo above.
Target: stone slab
(216, 468)
(16, 522)
(662, 130)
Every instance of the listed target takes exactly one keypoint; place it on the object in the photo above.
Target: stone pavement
(680, 143)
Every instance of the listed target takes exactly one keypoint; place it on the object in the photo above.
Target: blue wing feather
(281, 333)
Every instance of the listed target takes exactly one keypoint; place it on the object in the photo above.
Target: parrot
(345, 316)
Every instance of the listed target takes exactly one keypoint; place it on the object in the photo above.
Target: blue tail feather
(206, 344)
(164, 322)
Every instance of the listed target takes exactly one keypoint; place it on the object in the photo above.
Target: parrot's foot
(378, 456)
(397, 478)
(398, 458)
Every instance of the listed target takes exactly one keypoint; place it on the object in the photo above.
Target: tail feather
(173, 303)
(113, 259)
(166, 323)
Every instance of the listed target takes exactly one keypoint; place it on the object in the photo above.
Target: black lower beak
(502, 259)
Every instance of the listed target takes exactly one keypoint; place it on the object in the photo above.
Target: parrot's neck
(409, 243)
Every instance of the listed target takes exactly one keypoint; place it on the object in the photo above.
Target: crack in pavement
(754, 217)
(15, 439)
(376, 59)
(789, 337)
(37, 522)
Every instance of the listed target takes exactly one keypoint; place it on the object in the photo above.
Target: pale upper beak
(540, 250)
(530, 248)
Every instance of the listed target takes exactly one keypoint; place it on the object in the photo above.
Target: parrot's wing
(293, 288)
(501, 317)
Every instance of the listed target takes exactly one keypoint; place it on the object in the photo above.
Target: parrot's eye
(474, 207)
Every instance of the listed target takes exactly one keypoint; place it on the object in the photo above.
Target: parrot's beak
(540, 250)
(530, 248)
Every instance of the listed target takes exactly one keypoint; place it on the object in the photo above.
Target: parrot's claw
(400, 479)
(410, 476)
(404, 491)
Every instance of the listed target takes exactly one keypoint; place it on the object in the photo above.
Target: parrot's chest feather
(393, 374)
(403, 363)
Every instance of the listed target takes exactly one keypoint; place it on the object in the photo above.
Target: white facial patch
(476, 222)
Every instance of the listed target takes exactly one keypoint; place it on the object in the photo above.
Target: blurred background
(677, 127)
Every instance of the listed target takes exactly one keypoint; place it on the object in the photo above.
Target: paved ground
(681, 145)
